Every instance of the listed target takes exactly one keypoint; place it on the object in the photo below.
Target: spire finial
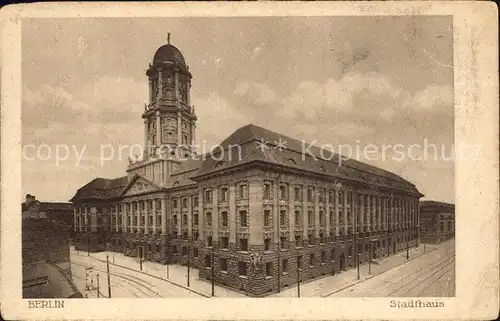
(168, 39)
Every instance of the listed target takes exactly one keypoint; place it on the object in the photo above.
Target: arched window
(292, 161)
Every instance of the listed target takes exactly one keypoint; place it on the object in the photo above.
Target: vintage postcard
(328, 160)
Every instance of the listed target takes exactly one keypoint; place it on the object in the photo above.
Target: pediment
(140, 185)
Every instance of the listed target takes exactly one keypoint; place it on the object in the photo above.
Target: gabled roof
(182, 176)
(101, 189)
(244, 146)
(134, 179)
(435, 206)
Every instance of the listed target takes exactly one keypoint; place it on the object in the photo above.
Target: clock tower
(169, 118)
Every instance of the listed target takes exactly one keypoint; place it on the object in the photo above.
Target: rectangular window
(310, 197)
(195, 201)
(299, 261)
(298, 220)
(269, 269)
(321, 195)
(298, 194)
(209, 241)
(312, 260)
(174, 218)
(323, 257)
(310, 239)
(341, 198)
(208, 196)
(267, 190)
(284, 244)
(223, 264)
(196, 219)
(225, 222)
(195, 252)
(267, 244)
(331, 197)
(209, 218)
(283, 192)
(267, 218)
(184, 203)
(184, 250)
(298, 241)
(208, 260)
(243, 245)
(242, 191)
(310, 218)
(283, 217)
(224, 242)
(285, 266)
(243, 218)
(322, 238)
(242, 268)
(322, 218)
(224, 194)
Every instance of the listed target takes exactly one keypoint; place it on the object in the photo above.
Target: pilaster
(255, 212)
(232, 214)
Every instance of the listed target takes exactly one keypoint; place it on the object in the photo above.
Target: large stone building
(254, 213)
(437, 221)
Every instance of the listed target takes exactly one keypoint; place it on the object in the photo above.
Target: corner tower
(169, 118)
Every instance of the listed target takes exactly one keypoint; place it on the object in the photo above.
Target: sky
(354, 81)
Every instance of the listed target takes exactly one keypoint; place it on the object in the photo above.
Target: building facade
(437, 221)
(45, 254)
(255, 217)
(60, 211)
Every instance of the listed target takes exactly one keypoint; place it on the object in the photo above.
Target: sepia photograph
(240, 157)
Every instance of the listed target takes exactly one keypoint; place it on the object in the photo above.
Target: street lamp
(213, 269)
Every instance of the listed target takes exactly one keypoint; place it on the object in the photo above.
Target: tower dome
(170, 53)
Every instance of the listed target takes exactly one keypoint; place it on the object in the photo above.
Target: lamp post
(97, 280)
(109, 280)
(213, 269)
(298, 277)
(407, 248)
(188, 263)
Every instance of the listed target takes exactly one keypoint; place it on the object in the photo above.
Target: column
(361, 216)
(291, 213)
(176, 86)
(369, 209)
(145, 152)
(316, 212)
(305, 211)
(336, 211)
(201, 215)
(275, 212)
(163, 216)
(158, 129)
(75, 220)
(232, 214)
(146, 216)
(160, 84)
(87, 227)
(116, 217)
(150, 91)
(154, 216)
(256, 216)
(179, 129)
(327, 211)
(193, 136)
(190, 216)
(124, 216)
(215, 216)
(189, 93)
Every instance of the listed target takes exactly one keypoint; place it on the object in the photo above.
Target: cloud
(258, 93)
(432, 97)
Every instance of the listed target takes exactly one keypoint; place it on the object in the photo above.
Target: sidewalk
(177, 274)
(331, 284)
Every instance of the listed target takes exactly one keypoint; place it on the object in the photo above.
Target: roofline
(269, 164)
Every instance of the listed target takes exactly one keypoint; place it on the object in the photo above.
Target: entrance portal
(342, 262)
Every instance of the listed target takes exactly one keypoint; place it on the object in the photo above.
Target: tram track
(410, 279)
(129, 280)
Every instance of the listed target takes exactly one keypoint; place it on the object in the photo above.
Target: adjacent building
(45, 254)
(255, 214)
(60, 211)
(437, 221)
